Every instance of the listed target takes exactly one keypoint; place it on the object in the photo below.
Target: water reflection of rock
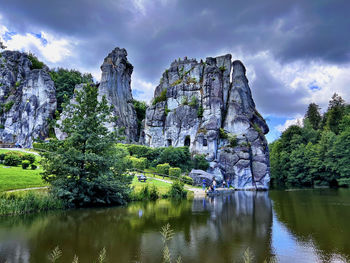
(243, 219)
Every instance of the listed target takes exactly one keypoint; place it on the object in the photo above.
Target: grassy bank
(27, 202)
(14, 177)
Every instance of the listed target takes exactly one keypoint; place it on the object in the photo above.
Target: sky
(296, 52)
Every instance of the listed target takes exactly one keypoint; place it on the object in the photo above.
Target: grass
(12, 178)
(162, 187)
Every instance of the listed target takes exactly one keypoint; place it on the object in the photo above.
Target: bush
(25, 164)
(138, 163)
(30, 157)
(163, 168)
(199, 162)
(147, 193)
(177, 190)
(2, 156)
(186, 180)
(232, 139)
(12, 159)
(33, 166)
(8, 105)
(175, 172)
(176, 157)
(194, 102)
(38, 146)
(160, 98)
(200, 111)
(36, 64)
(223, 134)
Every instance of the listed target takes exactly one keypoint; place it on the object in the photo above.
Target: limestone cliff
(27, 100)
(209, 107)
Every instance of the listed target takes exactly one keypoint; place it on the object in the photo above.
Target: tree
(335, 113)
(65, 81)
(86, 169)
(313, 115)
(341, 151)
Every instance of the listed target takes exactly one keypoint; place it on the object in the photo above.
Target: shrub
(175, 172)
(2, 126)
(33, 166)
(193, 102)
(139, 163)
(222, 68)
(17, 84)
(176, 157)
(200, 111)
(186, 180)
(177, 190)
(8, 105)
(12, 159)
(25, 164)
(38, 146)
(223, 134)
(2, 156)
(160, 98)
(232, 140)
(163, 168)
(30, 157)
(184, 100)
(177, 82)
(36, 64)
(147, 193)
(199, 162)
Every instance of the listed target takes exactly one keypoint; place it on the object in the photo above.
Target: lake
(290, 226)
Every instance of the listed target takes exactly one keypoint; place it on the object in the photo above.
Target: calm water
(293, 226)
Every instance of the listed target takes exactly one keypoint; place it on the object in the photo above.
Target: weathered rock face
(115, 85)
(209, 107)
(27, 99)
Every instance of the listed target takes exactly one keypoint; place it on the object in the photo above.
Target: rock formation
(208, 106)
(27, 100)
(115, 85)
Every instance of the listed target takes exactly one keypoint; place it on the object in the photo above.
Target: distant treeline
(316, 154)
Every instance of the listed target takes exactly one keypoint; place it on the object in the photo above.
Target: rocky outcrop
(27, 99)
(115, 85)
(208, 106)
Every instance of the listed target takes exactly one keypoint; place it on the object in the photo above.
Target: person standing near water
(214, 184)
(204, 184)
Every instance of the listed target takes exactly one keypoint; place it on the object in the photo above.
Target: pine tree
(313, 115)
(85, 169)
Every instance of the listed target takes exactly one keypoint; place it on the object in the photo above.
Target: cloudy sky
(295, 52)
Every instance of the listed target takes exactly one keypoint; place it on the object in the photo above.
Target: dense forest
(315, 153)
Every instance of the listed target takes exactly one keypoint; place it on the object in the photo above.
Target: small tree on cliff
(86, 169)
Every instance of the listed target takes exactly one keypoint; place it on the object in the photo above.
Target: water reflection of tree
(321, 216)
(209, 230)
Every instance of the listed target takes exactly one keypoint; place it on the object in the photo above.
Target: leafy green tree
(65, 81)
(86, 169)
(2, 46)
(176, 157)
(313, 115)
(342, 156)
(335, 113)
(140, 108)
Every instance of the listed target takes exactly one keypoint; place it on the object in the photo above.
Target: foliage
(148, 192)
(160, 98)
(33, 166)
(186, 180)
(223, 134)
(313, 115)
(232, 139)
(25, 164)
(194, 102)
(175, 172)
(184, 100)
(139, 163)
(7, 106)
(65, 81)
(14, 204)
(199, 162)
(39, 146)
(200, 111)
(28, 156)
(36, 64)
(163, 168)
(140, 108)
(316, 154)
(177, 82)
(86, 169)
(12, 159)
(176, 157)
(177, 190)
(167, 234)
(17, 84)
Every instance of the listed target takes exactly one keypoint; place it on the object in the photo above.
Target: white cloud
(46, 46)
(282, 127)
(142, 90)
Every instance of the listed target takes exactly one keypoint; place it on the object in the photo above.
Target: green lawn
(17, 178)
(161, 186)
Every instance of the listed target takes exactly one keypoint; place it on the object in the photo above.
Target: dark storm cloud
(156, 32)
